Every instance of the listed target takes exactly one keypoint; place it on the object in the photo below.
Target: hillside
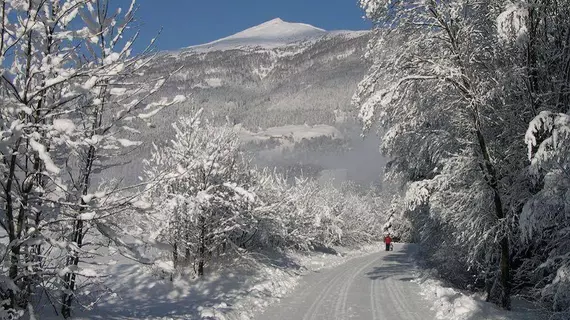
(274, 74)
(269, 76)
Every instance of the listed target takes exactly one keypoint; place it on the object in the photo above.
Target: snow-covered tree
(37, 54)
(207, 201)
(446, 121)
(203, 191)
(115, 96)
(544, 221)
(307, 214)
(69, 89)
(454, 85)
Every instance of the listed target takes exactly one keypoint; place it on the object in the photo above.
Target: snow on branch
(547, 133)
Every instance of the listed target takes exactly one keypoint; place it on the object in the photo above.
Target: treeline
(474, 98)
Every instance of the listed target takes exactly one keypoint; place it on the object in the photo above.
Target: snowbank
(453, 304)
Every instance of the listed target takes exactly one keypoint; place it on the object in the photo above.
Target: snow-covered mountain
(274, 33)
(275, 77)
(269, 75)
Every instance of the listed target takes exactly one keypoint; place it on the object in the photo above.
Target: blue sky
(190, 22)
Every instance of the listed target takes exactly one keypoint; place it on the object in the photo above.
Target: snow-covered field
(236, 292)
(289, 135)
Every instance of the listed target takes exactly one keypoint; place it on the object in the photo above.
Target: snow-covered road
(378, 286)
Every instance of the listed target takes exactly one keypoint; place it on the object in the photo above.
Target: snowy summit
(270, 34)
(277, 31)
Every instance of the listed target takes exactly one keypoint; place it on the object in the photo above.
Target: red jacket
(387, 240)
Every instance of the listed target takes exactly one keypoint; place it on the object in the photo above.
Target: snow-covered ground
(388, 285)
(288, 135)
(237, 292)
(454, 304)
(371, 282)
(377, 286)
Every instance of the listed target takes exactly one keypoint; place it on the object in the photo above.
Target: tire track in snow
(373, 303)
(309, 292)
(400, 300)
(334, 280)
(317, 301)
(349, 292)
(401, 297)
(386, 308)
(341, 310)
(408, 304)
(340, 299)
(395, 297)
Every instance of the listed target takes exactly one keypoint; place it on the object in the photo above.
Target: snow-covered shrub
(202, 202)
(309, 214)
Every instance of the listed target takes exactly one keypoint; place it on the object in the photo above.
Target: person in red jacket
(388, 242)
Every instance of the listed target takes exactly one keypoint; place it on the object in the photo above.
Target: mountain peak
(274, 21)
(272, 33)
(279, 29)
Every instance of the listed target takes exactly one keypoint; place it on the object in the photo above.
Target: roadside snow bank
(267, 286)
(453, 304)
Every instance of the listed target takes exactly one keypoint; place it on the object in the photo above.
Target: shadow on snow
(140, 294)
(395, 264)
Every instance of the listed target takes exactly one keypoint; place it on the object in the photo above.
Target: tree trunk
(202, 250)
(492, 181)
(489, 282)
(532, 58)
(70, 277)
(174, 259)
(11, 225)
(175, 255)
(505, 274)
(77, 237)
(187, 250)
